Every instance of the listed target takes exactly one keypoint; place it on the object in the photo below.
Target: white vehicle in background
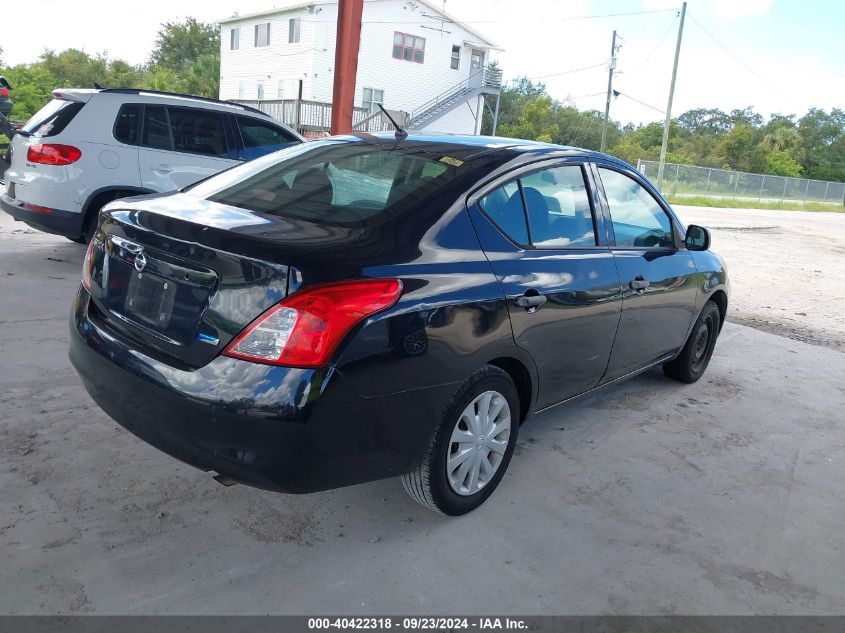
(86, 148)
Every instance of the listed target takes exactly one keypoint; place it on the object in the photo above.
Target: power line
(456, 21)
(740, 61)
(567, 72)
(655, 49)
(643, 103)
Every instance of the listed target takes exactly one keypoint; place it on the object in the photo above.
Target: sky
(778, 56)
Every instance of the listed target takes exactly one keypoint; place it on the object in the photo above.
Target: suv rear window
(344, 184)
(52, 118)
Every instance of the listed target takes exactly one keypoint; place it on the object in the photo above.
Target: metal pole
(762, 184)
(348, 41)
(783, 197)
(826, 187)
(671, 96)
(496, 113)
(806, 190)
(611, 68)
(707, 186)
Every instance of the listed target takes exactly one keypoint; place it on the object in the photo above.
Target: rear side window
(52, 118)
(127, 123)
(504, 207)
(197, 131)
(343, 184)
(156, 129)
(260, 137)
(559, 212)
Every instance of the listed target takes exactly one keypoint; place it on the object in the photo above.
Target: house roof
(428, 4)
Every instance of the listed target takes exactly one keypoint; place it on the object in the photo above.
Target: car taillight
(4, 92)
(88, 266)
(305, 329)
(52, 154)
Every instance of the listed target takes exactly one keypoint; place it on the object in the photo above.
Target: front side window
(126, 125)
(638, 219)
(262, 34)
(197, 131)
(408, 47)
(334, 183)
(504, 206)
(370, 97)
(455, 62)
(559, 212)
(294, 26)
(235, 39)
(156, 129)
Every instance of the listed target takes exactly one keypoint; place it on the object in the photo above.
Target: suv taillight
(305, 329)
(4, 92)
(52, 154)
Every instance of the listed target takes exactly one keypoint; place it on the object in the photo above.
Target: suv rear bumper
(65, 223)
(278, 428)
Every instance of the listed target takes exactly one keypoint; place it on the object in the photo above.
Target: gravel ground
(786, 269)
(722, 497)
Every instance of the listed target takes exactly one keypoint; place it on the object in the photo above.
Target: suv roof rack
(130, 91)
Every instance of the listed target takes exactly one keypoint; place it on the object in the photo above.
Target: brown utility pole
(349, 13)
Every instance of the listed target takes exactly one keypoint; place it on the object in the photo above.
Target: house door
(476, 67)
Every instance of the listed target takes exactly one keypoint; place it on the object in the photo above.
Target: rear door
(546, 247)
(180, 146)
(656, 272)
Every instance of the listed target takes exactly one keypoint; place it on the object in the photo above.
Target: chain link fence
(690, 180)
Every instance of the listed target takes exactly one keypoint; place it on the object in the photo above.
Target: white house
(413, 58)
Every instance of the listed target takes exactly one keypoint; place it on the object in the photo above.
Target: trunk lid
(179, 289)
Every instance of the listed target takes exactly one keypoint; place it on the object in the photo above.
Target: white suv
(88, 147)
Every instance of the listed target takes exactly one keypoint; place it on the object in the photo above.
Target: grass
(728, 203)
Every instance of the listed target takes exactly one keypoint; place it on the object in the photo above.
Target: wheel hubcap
(702, 338)
(478, 443)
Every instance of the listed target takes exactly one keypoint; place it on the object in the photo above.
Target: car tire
(470, 438)
(691, 363)
(89, 225)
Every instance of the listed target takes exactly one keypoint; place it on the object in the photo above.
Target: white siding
(407, 85)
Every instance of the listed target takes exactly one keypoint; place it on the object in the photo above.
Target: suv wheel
(471, 449)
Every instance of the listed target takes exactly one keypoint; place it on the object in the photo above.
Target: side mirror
(697, 238)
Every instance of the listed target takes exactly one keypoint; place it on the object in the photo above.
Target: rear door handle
(638, 283)
(530, 302)
(162, 169)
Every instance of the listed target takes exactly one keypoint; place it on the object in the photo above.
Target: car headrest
(313, 188)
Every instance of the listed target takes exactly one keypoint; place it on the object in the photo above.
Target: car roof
(473, 145)
(85, 94)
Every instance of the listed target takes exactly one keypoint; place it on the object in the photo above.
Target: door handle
(638, 283)
(531, 303)
(162, 169)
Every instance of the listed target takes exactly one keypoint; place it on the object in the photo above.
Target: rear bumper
(65, 223)
(278, 428)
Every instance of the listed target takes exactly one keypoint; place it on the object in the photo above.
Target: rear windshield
(347, 183)
(52, 118)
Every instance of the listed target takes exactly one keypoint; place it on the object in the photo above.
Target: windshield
(52, 118)
(332, 182)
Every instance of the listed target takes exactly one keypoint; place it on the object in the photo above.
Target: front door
(560, 281)
(476, 67)
(657, 274)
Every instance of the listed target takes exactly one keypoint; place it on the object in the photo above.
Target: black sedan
(365, 307)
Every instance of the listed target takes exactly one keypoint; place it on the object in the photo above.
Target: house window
(260, 90)
(262, 34)
(240, 90)
(280, 91)
(408, 47)
(235, 39)
(456, 58)
(294, 25)
(370, 98)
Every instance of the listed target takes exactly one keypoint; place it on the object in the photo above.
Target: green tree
(780, 163)
(178, 44)
(536, 121)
